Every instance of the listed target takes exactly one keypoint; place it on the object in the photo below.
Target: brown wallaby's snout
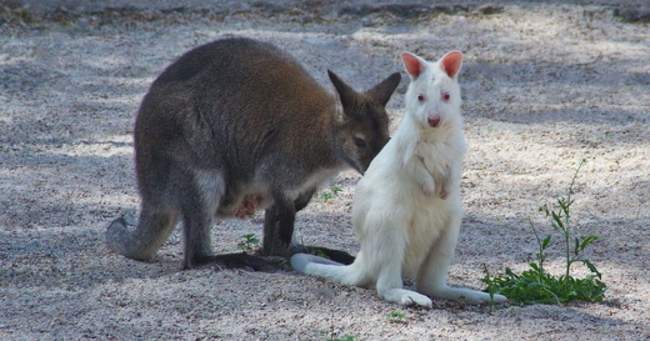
(365, 129)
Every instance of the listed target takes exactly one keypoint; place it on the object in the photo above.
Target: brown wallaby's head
(364, 130)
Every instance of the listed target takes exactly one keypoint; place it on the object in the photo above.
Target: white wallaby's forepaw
(428, 188)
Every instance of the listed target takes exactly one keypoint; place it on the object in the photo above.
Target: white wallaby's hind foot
(405, 297)
(466, 295)
(323, 267)
(299, 261)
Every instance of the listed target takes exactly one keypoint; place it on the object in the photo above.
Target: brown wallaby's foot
(276, 248)
(188, 263)
(196, 258)
(244, 261)
(338, 256)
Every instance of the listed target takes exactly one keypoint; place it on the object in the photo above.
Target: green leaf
(546, 242)
(558, 220)
(397, 316)
(586, 241)
(326, 196)
(534, 266)
(576, 250)
(591, 267)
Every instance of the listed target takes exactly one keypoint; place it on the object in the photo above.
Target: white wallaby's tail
(323, 267)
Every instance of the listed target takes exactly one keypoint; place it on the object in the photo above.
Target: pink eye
(421, 98)
(445, 96)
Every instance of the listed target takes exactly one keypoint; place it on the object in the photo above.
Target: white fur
(405, 227)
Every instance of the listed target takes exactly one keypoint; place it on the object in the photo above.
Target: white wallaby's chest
(436, 158)
(431, 213)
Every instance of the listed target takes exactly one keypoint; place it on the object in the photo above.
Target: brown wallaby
(236, 125)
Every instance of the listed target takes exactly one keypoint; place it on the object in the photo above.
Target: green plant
(321, 253)
(536, 285)
(326, 196)
(397, 316)
(249, 242)
(331, 193)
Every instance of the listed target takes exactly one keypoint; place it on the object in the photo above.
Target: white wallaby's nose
(434, 120)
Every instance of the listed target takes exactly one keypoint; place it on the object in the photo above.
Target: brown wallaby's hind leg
(278, 228)
(152, 231)
(196, 228)
(201, 194)
(304, 199)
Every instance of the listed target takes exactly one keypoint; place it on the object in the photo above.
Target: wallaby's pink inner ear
(451, 63)
(412, 64)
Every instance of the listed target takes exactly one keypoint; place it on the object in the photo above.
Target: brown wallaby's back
(238, 123)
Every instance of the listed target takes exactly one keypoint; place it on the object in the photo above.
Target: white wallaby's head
(433, 96)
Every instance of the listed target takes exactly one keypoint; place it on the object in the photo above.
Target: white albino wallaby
(407, 208)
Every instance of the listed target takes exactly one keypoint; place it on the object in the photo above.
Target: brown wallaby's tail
(154, 227)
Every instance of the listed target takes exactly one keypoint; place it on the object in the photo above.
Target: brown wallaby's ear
(346, 93)
(381, 92)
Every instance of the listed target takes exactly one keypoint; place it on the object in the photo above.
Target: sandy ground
(545, 85)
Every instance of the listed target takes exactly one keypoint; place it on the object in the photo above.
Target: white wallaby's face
(433, 96)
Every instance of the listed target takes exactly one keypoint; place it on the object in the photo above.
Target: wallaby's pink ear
(452, 62)
(413, 64)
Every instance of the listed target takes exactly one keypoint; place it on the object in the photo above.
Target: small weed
(538, 286)
(343, 338)
(397, 316)
(321, 253)
(326, 196)
(249, 242)
(331, 193)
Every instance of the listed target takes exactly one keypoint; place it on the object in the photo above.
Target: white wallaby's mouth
(434, 121)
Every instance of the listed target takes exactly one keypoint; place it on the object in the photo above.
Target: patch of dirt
(545, 84)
